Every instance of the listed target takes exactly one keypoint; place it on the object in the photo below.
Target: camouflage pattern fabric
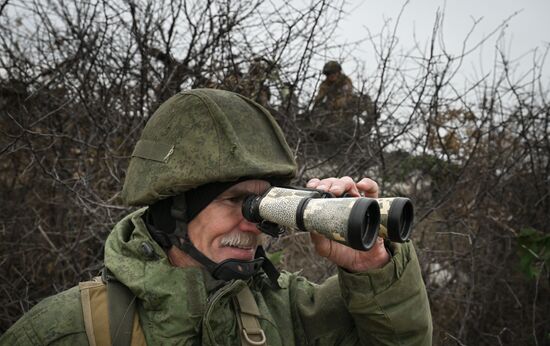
(202, 136)
(186, 306)
(335, 95)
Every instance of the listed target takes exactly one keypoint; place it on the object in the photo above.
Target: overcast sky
(528, 29)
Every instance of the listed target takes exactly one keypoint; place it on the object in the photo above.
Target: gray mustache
(240, 239)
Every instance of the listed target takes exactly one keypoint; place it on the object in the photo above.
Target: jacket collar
(172, 300)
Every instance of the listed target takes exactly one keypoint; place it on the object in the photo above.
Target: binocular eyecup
(363, 224)
(399, 220)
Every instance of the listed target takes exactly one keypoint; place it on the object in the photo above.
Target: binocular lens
(364, 220)
(397, 218)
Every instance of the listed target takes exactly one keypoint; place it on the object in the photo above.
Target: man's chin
(228, 252)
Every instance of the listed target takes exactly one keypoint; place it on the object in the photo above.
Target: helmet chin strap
(226, 270)
(172, 230)
(231, 268)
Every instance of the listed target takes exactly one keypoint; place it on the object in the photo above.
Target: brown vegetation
(78, 81)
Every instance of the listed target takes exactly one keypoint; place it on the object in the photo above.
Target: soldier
(336, 90)
(232, 81)
(187, 269)
(255, 82)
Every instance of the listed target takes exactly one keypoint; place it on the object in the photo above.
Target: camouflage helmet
(202, 136)
(332, 67)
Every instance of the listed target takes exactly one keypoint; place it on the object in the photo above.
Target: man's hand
(344, 256)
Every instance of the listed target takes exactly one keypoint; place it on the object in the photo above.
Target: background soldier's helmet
(331, 67)
(202, 136)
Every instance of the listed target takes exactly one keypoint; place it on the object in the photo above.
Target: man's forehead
(255, 186)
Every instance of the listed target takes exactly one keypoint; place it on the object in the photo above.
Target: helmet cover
(202, 136)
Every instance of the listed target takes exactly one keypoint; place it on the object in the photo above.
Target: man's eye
(236, 199)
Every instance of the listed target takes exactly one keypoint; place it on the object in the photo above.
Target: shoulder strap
(121, 313)
(93, 296)
(108, 309)
(247, 318)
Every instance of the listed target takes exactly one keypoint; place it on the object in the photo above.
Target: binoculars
(352, 221)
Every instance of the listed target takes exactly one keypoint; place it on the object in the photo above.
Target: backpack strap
(109, 313)
(95, 311)
(122, 307)
(247, 319)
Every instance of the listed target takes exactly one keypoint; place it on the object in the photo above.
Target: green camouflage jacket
(177, 306)
(335, 95)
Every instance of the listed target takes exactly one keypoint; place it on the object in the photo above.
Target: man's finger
(369, 187)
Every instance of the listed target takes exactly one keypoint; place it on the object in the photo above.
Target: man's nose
(247, 226)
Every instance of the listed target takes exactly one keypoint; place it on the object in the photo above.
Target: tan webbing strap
(248, 313)
(97, 317)
(87, 314)
(93, 296)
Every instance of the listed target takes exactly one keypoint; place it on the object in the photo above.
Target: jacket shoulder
(344, 81)
(55, 320)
